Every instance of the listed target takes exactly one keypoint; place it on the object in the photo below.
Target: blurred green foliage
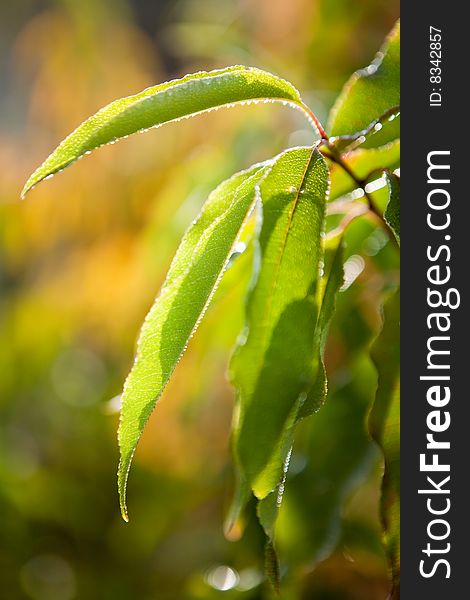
(80, 264)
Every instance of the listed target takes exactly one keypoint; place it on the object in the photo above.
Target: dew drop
(222, 578)
(375, 185)
(353, 267)
(356, 194)
(239, 247)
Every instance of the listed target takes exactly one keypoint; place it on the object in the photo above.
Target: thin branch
(311, 115)
(336, 157)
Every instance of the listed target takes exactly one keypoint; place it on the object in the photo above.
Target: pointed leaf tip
(370, 95)
(171, 101)
(188, 289)
(122, 486)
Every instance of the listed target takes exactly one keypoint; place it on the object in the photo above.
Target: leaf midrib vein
(283, 249)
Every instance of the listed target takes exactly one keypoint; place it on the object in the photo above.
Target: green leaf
(273, 366)
(268, 507)
(332, 447)
(370, 94)
(191, 281)
(392, 210)
(171, 101)
(384, 425)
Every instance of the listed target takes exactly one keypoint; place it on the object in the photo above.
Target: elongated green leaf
(333, 453)
(163, 103)
(273, 367)
(268, 507)
(189, 286)
(392, 210)
(369, 95)
(384, 425)
(314, 398)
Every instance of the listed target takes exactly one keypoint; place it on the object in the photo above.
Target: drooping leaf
(171, 101)
(268, 507)
(392, 210)
(191, 281)
(323, 474)
(370, 94)
(384, 425)
(273, 366)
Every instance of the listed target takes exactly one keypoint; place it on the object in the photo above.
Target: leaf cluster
(302, 202)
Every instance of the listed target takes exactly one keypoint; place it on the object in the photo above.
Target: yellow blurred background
(80, 263)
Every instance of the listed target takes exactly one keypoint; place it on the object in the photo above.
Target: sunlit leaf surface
(273, 365)
(371, 93)
(268, 507)
(189, 286)
(163, 103)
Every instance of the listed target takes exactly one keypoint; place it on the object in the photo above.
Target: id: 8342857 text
(435, 68)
